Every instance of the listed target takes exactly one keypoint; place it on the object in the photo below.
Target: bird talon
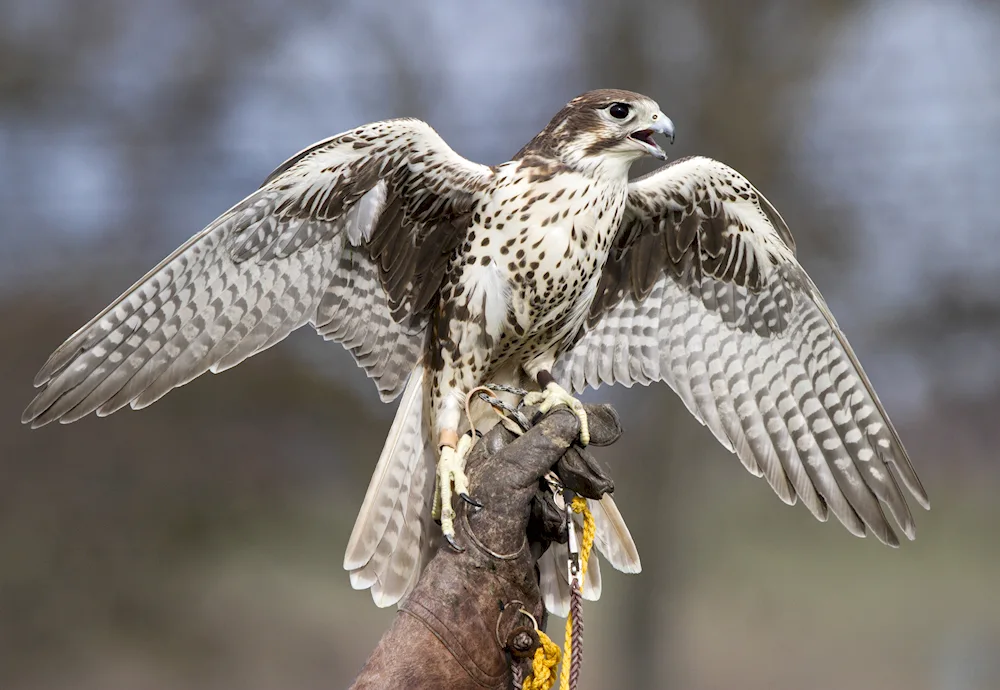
(554, 395)
(454, 544)
(474, 503)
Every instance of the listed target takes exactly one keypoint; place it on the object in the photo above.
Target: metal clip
(556, 487)
(573, 565)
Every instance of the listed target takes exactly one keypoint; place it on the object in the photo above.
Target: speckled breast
(542, 246)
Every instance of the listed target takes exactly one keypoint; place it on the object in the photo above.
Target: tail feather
(612, 537)
(552, 582)
(406, 561)
(404, 439)
(384, 550)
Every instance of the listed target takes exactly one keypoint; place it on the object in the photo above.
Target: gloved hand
(459, 624)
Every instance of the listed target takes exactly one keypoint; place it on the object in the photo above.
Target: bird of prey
(552, 270)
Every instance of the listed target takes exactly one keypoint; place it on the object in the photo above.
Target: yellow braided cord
(542, 666)
(579, 505)
(547, 656)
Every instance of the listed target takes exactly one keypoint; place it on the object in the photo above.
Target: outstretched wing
(703, 291)
(352, 235)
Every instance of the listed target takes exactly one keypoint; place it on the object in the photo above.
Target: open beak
(661, 124)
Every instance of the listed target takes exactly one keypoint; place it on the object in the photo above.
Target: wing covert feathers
(360, 224)
(703, 291)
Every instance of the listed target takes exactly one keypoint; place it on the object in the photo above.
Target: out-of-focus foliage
(197, 543)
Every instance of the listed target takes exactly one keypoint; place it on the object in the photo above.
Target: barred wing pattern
(351, 235)
(703, 291)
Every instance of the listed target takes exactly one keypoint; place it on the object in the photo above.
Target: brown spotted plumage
(439, 274)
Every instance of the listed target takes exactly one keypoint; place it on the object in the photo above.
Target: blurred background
(197, 544)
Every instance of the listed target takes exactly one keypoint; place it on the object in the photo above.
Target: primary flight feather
(552, 271)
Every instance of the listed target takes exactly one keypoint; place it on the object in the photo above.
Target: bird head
(604, 130)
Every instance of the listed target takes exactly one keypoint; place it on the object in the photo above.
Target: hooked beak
(661, 124)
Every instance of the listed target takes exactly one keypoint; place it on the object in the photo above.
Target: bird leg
(552, 395)
(451, 480)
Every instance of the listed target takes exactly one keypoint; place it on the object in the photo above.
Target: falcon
(551, 271)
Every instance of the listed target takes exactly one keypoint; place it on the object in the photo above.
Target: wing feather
(703, 291)
(331, 238)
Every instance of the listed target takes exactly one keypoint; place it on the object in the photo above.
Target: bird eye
(619, 111)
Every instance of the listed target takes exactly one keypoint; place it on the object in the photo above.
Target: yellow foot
(451, 480)
(555, 395)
